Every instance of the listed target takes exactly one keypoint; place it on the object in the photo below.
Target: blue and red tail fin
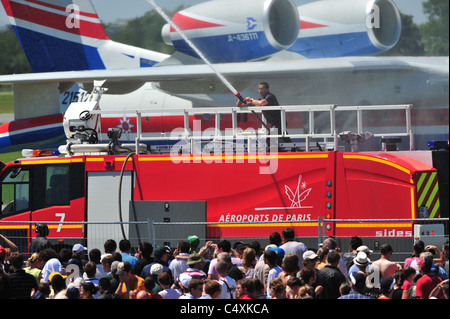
(67, 35)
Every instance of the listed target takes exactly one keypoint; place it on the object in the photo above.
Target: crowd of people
(284, 269)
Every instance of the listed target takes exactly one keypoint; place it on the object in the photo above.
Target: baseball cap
(194, 241)
(160, 251)
(156, 269)
(358, 279)
(78, 247)
(309, 255)
(278, 250)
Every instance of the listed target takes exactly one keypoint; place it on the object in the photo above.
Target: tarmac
(6, 117)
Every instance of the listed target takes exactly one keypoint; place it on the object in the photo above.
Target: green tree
(434, 33)
(143, 32)
(12, 57)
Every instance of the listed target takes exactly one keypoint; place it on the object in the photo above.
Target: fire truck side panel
(236, 190)
(373, 186)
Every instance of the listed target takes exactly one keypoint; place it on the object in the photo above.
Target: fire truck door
(15, 199)
(48, 193)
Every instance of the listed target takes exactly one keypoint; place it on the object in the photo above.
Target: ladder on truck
(309, 137)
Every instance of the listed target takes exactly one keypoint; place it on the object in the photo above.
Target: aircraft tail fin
(67, 35)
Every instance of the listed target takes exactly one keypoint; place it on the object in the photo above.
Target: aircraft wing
(342, 81)
(267, 70)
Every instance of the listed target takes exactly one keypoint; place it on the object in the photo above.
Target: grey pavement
(6, 117)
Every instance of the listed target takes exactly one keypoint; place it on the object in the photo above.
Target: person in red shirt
(245, 289)
(429, 280)
(149, 284)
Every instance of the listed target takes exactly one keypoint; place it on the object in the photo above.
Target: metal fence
(169, 233)
(319, 122)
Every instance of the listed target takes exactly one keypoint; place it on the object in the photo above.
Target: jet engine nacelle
(236, 30)
(331, 28)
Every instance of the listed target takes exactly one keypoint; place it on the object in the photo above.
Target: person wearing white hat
(364, 249)
(78, 257)
(361, 263)
(310, 260)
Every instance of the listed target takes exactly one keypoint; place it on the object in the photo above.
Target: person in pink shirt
(418, 248)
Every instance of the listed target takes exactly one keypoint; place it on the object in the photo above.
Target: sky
(114, 10)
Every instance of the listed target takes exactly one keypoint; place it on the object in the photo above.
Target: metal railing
(234, 132)
(161, 233)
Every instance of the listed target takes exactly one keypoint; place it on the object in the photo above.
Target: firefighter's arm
(258, 102)
(247, 99)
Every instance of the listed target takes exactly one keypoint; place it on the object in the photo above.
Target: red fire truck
(244, 194)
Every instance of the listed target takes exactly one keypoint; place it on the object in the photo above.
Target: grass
(7, 106)
(8, 157)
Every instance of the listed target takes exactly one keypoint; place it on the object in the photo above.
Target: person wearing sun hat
(361, 263)
(195, 263)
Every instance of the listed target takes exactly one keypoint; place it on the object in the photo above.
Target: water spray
(199, 53)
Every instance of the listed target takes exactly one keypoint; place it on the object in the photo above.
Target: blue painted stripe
(37, 135)
(229, 48)
(33, 138)
(5, 142)
(50, 54)
(241, 47)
